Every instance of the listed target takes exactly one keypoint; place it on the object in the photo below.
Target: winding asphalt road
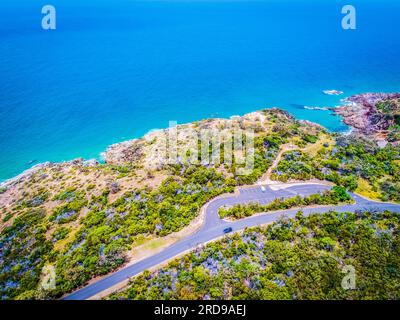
(214, 226)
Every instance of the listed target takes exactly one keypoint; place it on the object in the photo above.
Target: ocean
(113, 70)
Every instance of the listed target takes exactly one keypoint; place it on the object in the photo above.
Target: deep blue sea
(113, 70)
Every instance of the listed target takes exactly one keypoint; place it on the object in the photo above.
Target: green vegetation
(301, 258)
(352, 158)
(83, 219)
(69, 211)
(107, 231)
(60, 233)
(389, 118)
(23, 253)
(35, 200)
(335, 196)
(389, 107)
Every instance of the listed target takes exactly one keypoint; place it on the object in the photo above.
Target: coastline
(8, 182)
(101, 156)
(65, 193)
(359, 105)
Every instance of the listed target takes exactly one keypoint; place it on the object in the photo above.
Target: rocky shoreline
(362, 114)
(25, 175)
(358, 111)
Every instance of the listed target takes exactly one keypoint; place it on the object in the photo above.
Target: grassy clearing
(313, 148)
(365, 189)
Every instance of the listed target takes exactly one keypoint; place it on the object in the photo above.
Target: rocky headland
(374, 115)
(88, 218)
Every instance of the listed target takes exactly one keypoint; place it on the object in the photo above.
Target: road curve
(213, 227)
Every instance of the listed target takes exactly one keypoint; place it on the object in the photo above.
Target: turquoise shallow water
(114, 70)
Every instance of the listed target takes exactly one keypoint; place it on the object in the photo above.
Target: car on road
(227, 230)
